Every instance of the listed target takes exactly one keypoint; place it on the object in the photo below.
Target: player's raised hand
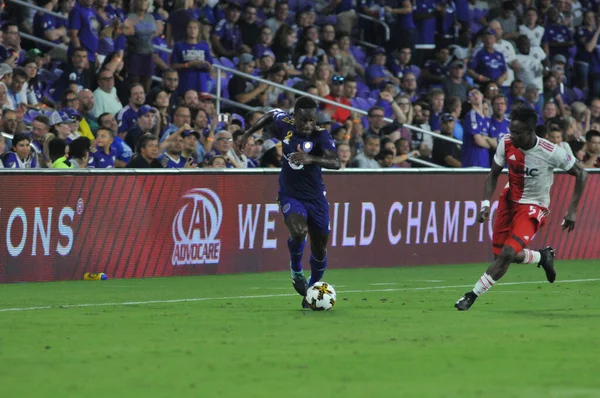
(484, 214)
(568, 223)
(301, 157)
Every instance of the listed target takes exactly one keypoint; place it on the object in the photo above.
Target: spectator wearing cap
(19, 79)
(280, 17)
(530, 68)
(83, 29)
(227, 37)
(272, 153)
(79, 152)
(455, 84)
(105, 96)
(45, 26)
(222, 146)
(324, 120)
(488, 65)
(104, 155)
(88, 124)
(160, 58)
(446, 153)
(336, 90)
(531, 29)
(453, 106)
(366, 159)
(243, 90)
(249, 28)
(6, 72)
(591, 159)
(172, 158)
(146, 153)
(284, 44)
(558, 38)
(57, 149)
(139, 27)
(263, 42)
(477, 141)
(377, 72)
(10, 50)
(435, 69)
(73, 121)
(74, 74)
(129, 114)
(193, 61)
(145, 123)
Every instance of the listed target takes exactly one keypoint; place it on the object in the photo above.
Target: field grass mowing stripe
(67, 306)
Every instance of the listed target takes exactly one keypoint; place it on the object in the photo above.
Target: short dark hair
(452, 103)
(144, 140)
(525, 115)
(63, 97)
(541, 131)
(8, 25)
(79, 147)
(79, 50)
(591, 134)
(305, 103)
(42, 119)
(501, 96)
(20, 72)
(56, 148)
(372, 137)
(18, 137)
(109, 131)
(134, 85)
(374, 108)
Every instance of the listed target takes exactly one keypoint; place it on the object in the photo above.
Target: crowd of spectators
(132, 84)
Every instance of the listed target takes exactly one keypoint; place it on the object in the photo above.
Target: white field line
(126, 303)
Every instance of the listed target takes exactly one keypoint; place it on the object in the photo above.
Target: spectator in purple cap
(193, 61)
(227, 37)
(488, 65)
(61, 125)
(263, 41)
(84, 29)
(377, 71)
(128, 115)
(145, 123)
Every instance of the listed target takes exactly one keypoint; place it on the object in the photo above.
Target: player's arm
(263, 122)
(329, 160)
(491, 182)
(580, 179)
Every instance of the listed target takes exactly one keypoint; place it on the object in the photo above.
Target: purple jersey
(230, 35)
(472, 154)
(586, 34)
(43, 22)
(126, 118)
(303, 182)
(499, 129)
(192, 78)
(12, 161)
(463, 13)
(557, 34)
(85, 20)
(491, 65)
(101, 160)
(170, 163)
(425, 27)
(123, 152)
(404, 20)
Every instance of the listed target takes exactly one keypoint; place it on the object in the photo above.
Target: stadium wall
(56, 226)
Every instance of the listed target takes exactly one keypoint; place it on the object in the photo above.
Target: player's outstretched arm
(491, 181)
(581, 177)
(264, 121)
(329, 160)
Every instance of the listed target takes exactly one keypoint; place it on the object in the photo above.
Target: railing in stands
(379, 22)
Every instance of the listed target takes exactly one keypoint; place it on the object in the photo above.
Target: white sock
(531, 256)
(484, 284)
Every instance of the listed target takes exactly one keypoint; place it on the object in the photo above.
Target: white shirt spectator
(27, 98)
(534, 35)
(532, 69)
(106, 102)
(363, 162)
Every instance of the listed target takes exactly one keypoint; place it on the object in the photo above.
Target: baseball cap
(61, 117)
(204, 96)
(457, 64)
(258, 138)
(323, 118)
(447, 117)
(186, 133)
(267, 53)
(34, 52)
(270, 144)
(384, 83)
(559, 58)
(235, 118)
(379, 50)
(144, 109)
(245, 58)
(5, 69)
(72, 113)
(489, 32)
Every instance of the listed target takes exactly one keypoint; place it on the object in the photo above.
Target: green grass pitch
(392, 333)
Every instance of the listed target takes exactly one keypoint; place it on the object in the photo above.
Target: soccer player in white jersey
(523, 205)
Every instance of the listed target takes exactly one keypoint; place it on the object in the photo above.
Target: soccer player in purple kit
(306, 149)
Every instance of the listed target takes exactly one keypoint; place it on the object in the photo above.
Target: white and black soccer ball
(321, 296)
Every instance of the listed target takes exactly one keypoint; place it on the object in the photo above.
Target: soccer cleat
(300, 284)
(466, 301)
(547, 263)
(305, 303)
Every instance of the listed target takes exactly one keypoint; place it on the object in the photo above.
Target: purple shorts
(140, 64)
(316, 211)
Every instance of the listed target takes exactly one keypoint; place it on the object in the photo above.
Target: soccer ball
(321, 296)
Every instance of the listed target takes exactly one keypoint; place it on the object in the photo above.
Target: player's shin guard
(531, 256)
(296, 249)
(484, 284)
(317, 268)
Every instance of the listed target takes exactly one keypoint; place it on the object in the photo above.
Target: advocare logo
(195, 229)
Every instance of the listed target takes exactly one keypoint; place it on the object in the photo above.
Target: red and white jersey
(531, 172)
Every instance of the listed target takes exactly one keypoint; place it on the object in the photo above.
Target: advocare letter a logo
(195, 229)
